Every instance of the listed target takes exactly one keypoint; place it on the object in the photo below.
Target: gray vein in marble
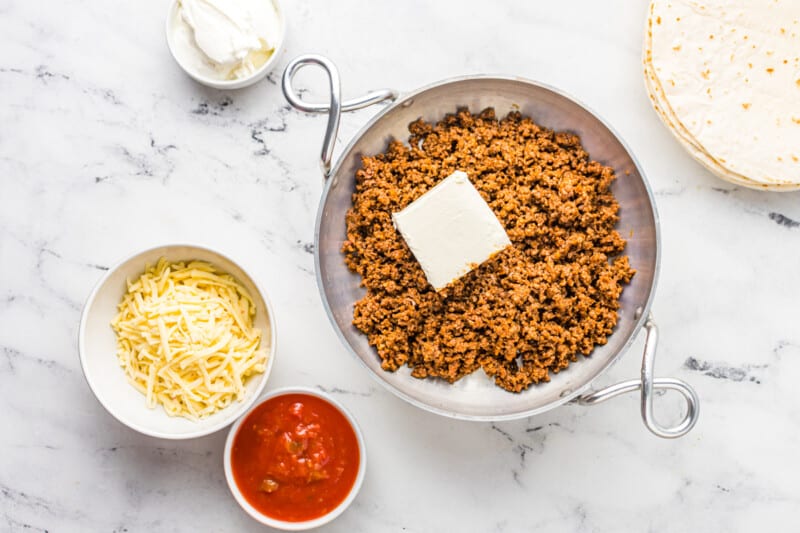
(13, 498)
(175, 455)
(272, 78)
(271, 124)
(722, 190)
(14, 356)
(342, 391)
(16, 525)
(147, 166)
(60, 296)
(44, 74)
(722, 371)
(783, 220)
(782, 345)
(506, 435)
(307, 247)
(23, 499)
(521, 450)
(305, 270)
(762, 204)
(206, 107)
(106, 94)
(539, 428)
(57, 255)
(531, 440)
(41, 73)
(17, 299)
(40, 250)
(674, 190)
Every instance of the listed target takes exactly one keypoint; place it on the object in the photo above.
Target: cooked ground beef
(530, 309)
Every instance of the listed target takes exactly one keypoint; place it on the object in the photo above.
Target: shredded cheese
(185, 338)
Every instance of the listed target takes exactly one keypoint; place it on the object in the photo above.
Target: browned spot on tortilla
(794, 158)
(796, 120)
(705, 74)
(749, 65)
(770, 70)
(746, 105)
(797, 83)
(658, 20)
(676, 47)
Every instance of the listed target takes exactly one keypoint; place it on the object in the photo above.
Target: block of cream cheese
(450, 230)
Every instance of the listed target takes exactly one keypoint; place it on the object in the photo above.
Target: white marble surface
(106, 147)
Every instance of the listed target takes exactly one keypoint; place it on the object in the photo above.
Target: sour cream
(225, 39)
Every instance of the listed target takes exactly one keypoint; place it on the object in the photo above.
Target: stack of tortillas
(724, 76)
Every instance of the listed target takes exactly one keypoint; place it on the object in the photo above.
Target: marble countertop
(106, 147)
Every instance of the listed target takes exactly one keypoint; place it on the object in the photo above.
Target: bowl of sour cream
(226, 44)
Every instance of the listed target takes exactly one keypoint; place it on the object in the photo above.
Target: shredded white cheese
(185, 338)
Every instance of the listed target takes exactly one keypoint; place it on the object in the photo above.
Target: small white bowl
(258, 75)
(308, 524)
(97, 346)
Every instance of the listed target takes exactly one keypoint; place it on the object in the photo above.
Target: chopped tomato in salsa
(295, 457)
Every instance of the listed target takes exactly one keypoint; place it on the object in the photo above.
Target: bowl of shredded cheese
(177, 341)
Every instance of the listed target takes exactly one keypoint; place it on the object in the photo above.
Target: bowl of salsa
(295, 460)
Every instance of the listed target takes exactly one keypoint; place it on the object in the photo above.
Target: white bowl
(97, 346)
(258, 75)
(308, 524)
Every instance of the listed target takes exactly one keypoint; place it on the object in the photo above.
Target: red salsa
(295, 457)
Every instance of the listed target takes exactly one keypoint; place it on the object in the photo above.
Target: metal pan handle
(648, 384)
(334, 108)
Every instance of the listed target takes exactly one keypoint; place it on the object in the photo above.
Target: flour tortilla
(727, 74)
(696, 152)
(689, 144)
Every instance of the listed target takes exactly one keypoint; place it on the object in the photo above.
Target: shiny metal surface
(334, 108)
(476, 397)
(648, 383)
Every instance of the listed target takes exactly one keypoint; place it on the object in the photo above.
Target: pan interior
(476, 396)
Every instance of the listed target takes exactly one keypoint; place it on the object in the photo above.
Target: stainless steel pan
(476, 397)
